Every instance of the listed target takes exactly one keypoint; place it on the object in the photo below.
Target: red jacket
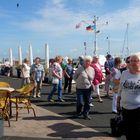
(98, 75)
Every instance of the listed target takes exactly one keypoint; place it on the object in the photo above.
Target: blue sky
(53, 22)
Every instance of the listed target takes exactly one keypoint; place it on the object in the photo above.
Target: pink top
(98, 73)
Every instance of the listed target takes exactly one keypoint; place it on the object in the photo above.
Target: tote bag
(55, 80)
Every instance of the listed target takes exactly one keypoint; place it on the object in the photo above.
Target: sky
(38, 22)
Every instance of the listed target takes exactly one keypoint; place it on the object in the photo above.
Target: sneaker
(91, 105)
(61, 100)
(51, 100)
(100, 100)
(38, 96)
(77, 115)
(114, 112)
(86, 117)
(34, 96)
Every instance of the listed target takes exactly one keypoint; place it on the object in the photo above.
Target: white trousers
(97, 90)
(114, 102)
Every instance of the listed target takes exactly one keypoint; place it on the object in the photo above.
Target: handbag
(116, 125)
(55, 80)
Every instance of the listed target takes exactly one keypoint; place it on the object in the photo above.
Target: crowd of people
(121, 79)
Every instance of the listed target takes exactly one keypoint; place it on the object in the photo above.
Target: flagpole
(108, 42)
(85, 46)
(95, 37)
(92, 28)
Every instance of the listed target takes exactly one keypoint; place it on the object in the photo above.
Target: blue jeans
(54, 89)
(83, 99)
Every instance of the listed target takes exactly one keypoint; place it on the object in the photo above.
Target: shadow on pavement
(97, 112)
(45, 118)
(21, 138)
(72, 131)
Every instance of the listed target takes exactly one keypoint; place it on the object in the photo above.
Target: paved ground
(57, 119)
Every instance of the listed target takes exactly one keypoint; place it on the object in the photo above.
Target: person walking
(25, 72)
(84, 76)
(98, 76)
(57, 75)
(116, 75)
(37, 74)
(109, 63)
(129, 98)
(68, 75)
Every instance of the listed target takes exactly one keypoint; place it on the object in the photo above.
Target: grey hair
(88, 58)
(135, 55)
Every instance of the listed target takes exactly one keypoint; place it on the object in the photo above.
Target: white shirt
(25, 70)
(130, 90)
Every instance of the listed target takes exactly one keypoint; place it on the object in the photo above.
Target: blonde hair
(57, 58)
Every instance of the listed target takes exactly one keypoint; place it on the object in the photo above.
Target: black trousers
(68, 83)
(131, 123)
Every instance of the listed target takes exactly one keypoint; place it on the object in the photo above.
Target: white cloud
(55, 20)
(118, 19)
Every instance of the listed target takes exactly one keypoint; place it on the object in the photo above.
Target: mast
(125, 49)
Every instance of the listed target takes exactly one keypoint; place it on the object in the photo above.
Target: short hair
(26, 60)
(57, 58)
(69, 60)
(117, 61)
(37, 58)
(88, 58)
(95, 56)
(127, 59)
(108, 56)
(135, 55)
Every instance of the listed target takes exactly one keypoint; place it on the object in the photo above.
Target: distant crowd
(121, 78)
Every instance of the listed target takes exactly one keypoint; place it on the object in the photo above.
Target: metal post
(108, 39)
(95, 47)
(127, 40)
(85, 46)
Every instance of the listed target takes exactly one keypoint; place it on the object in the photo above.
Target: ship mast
(125, 49)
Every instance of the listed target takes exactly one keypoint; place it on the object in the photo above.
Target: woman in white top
(57, 74)
(25, 71)
(129, 98)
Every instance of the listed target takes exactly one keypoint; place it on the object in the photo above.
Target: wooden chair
(4, 102)
(4, 84)
(22, 97)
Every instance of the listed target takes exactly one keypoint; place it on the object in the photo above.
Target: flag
(91, 27)
(78, 26)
